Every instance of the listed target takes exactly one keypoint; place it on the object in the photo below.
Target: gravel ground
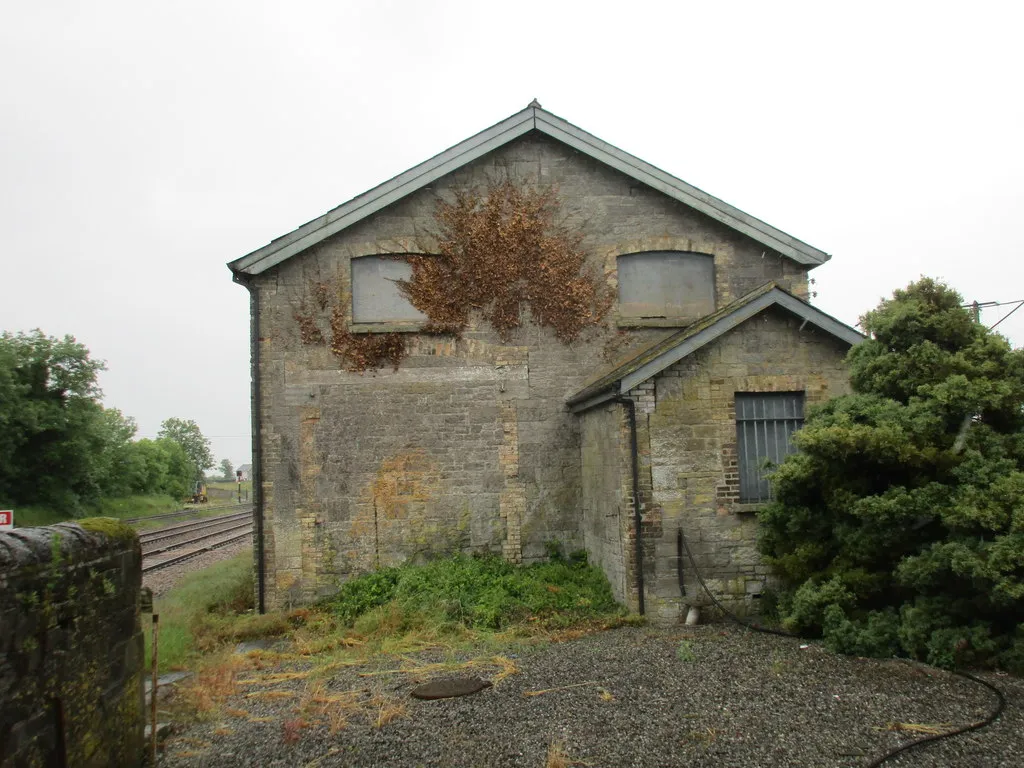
(707, 696)
(163, 579)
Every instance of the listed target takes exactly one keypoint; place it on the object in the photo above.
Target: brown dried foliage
(499, 253)
(364, 351)
(321, 293)
(357, 352)
(309, 332)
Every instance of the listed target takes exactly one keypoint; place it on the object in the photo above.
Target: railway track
(176, 531)
(212, 534)
(184, 512)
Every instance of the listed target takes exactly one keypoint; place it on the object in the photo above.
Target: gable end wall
(468, 446)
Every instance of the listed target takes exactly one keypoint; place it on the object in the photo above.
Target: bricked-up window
(765, 423)
(375, 294)
(666, 284)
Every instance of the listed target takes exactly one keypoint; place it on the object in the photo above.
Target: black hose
(729, 614)
(679, 562)
(965, 729)
(893, 752)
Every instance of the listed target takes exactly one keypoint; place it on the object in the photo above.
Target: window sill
(413, 326)
(748, 507)
(653, 322)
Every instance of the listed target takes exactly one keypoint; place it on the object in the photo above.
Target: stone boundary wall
(71, 646)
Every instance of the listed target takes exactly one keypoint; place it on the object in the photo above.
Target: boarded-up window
(765, 423)
(666, 284)
(375, 294)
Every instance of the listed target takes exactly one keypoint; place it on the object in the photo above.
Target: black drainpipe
(635, 454)
(257, 464)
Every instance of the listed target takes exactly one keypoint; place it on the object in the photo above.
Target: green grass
(208, 609)
(232, 486)
(454, 601)
(127, 507)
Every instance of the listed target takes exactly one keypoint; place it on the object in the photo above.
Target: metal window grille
(765, 423)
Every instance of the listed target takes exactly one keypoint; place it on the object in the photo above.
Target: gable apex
(532, 118)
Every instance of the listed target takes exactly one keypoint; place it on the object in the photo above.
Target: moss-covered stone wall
(71, 647)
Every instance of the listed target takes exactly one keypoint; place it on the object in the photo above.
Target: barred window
(765, 423)
(375, 294)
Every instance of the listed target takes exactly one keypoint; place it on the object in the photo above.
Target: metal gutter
(637, 520)
(596, 400)
(257, 453)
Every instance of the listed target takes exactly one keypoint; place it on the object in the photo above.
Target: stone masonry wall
(693, 474)
(607, 497)
(71, 648)
(467, 446)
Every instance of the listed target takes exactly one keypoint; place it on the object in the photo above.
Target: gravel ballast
(711, 695)
(163, 579)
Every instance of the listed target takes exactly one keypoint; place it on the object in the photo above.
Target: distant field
(129, 506)
(246, 486)
(220, 493)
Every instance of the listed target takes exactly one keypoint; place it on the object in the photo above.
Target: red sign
(6, 519)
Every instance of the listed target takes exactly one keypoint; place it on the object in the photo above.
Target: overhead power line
(977, 306)
(1019, 305)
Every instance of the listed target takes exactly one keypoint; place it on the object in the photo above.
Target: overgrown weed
(558, 757)
(483, 592)
(468, 613)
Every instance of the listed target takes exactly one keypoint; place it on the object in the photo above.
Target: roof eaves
(373, 200)
(687, 194)
(602, 396)
(531, 118)
(655, 358)
(694, 342)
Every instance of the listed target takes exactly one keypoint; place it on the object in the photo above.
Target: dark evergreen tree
(899, 526)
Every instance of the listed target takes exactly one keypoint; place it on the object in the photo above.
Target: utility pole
(976, 306)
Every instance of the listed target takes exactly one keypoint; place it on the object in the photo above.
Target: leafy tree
(59, 447)
(51, 423)
(188, 435)
(159, 466)
(899, 526)
(227, 471)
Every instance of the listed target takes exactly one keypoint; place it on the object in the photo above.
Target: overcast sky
(144, 144)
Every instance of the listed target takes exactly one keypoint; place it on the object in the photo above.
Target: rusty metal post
(153, 689)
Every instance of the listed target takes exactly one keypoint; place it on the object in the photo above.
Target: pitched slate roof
(654, 358)
(533, 118)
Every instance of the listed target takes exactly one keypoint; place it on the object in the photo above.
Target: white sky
(144, 144)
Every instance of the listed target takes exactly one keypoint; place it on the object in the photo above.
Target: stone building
(504, 442)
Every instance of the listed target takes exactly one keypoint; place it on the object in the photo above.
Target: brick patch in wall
(512, 502)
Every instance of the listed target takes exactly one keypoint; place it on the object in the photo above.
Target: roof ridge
(532, 118)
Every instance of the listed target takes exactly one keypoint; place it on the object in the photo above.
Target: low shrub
(479, 592)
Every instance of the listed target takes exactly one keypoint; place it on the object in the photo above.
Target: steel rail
(204, 537)
(192, 553)
(148, 537)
